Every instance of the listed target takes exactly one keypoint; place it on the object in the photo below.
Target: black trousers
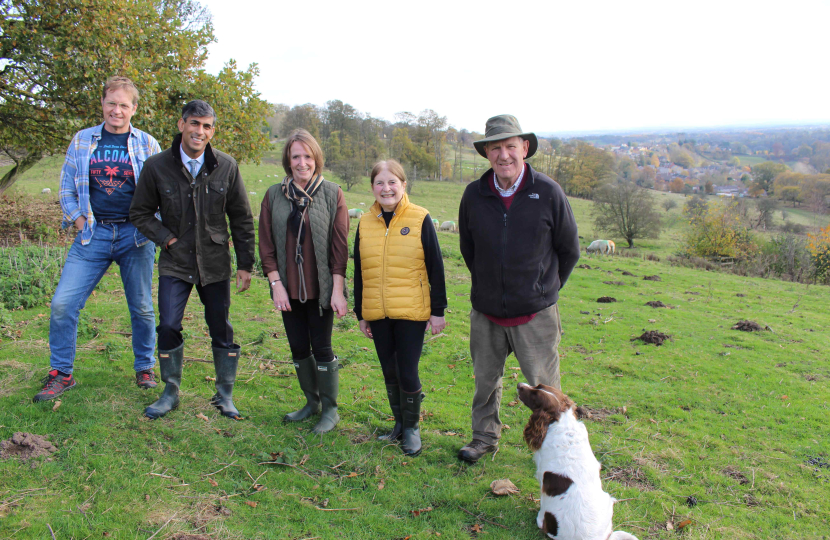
(308, 331)
(173, 296)
(399, 344)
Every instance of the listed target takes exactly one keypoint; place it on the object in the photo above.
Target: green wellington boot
(328, 383)
(170, 364)
(411, 414)
(225, 361)
(307, 375)
(393, 393)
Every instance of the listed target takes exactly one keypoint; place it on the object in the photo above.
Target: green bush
(29, 274)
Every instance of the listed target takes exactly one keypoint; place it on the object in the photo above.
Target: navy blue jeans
(173, 296)
(84, 268)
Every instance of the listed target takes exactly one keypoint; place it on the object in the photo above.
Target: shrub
(717, 231)
(786, 256)
(819, 247)
(793, 228)
(29, 274)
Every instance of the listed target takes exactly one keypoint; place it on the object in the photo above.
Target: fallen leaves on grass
(252, 504)
(56, 405)
(381, 484)
(420, 511)
(213, 482)
(202, 417)
(503, 487)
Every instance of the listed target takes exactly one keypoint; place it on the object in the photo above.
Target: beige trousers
(535, 345)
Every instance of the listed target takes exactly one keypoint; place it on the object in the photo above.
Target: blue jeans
(84, 268)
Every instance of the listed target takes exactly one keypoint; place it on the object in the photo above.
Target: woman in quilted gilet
(399, 293)
(303, 231)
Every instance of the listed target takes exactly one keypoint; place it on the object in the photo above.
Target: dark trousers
(308, 331)
(173, 296)
(399, 344)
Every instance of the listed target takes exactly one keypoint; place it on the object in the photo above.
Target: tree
(766, 208)
(348, 170)
(709, 187)
(668, 204)
(55, 56)
(625, 209)
(763, 175)
(696, 208)
(681, 157)
(677, 185)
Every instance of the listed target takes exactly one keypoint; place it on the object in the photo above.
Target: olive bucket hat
(502, 127)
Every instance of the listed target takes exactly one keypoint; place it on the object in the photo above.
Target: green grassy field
(721, 428)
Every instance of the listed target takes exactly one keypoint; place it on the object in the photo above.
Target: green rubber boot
(307, 375)
(411, 413)
(328, 383)
(225, 362)
(393, 393)
(170, 364)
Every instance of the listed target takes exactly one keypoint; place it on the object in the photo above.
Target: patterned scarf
(300, 199)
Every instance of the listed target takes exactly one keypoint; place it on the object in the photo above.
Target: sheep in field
(355, 213)
(601, 246)
(449, 226)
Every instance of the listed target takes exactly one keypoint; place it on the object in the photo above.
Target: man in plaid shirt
(98, 180)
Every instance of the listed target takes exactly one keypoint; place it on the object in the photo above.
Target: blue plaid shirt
(74, 191)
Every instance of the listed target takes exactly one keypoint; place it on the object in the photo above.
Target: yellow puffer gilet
(395, 281)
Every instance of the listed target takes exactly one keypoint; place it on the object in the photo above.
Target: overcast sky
(558, 66)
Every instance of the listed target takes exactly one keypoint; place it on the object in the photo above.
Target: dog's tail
(619, 535)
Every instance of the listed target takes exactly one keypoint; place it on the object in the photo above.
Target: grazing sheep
(449, 226)
(435, 223)
(45, 190)
(600, 246)
(613, 247)
(355, 213)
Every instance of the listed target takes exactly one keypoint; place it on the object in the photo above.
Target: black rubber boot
(411, 416)
(170, 365)
(328, 383)
(393, 393)
(225, 362)
(307, 375)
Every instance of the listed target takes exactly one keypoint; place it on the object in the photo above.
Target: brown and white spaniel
(574, 506)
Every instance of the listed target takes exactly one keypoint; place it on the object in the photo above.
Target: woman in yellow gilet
(399, 293)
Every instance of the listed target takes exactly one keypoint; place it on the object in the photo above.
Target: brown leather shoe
(473, 451)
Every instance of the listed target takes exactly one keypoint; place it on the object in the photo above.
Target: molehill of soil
(628, 274)
(653, 336)
(614, 282)
(606, 299)
(656, 304)
(747, 326)
(584, 267)
(590, 413)
(652, 278)
(25, 446)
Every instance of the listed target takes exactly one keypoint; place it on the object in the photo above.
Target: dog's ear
(536, 429)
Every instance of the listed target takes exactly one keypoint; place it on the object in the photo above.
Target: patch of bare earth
(736, 474)
(652, 278)
(203, 514)
(626, 273)
(614, 282)
(598, 415)
(652, 336)
(656, 304)
(21, 216)
(631, 476)
(606, 299)
(25, 446)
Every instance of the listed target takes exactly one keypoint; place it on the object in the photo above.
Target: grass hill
(715, 434)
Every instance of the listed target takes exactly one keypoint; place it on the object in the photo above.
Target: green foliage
(582, 169)
(763, 176)
(29, 275)
(717, 232)
(56, 56)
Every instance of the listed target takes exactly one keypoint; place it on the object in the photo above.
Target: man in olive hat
(520, 243)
